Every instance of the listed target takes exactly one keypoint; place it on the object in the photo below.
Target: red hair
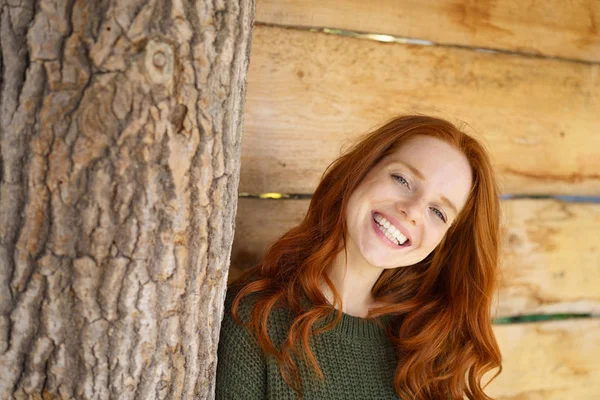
(441, 307)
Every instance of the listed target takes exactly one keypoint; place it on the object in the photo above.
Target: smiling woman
(413, 190)
(384, 289)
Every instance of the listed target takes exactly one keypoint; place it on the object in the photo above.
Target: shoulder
(241, 365)
(244, 305)
(279, 319)
(234, 336)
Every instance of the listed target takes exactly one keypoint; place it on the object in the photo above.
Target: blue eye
(398, 177)
(439, 214)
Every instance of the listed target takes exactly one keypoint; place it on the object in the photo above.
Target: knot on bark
(159, 62)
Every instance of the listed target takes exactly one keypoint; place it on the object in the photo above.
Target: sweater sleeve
(241, 365)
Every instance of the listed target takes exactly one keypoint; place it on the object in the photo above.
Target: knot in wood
(159, 62)
(159, 59)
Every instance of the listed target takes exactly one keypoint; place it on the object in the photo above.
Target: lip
(384, 238)
(395, 222)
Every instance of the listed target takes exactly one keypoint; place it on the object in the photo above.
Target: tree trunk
(120, 129)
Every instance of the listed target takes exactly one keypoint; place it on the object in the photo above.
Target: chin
(378, 262)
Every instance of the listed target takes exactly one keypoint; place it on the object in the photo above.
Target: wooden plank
(308, 93)
(553, 360)
(567, 29)
(550, 262)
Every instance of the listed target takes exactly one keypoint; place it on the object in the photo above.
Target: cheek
(440, 236)
(434, 236)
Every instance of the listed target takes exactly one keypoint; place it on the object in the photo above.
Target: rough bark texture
(120, 129)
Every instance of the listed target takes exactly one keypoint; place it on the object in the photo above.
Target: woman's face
(419, 189)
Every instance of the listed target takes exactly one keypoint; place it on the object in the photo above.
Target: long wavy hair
(441, 325)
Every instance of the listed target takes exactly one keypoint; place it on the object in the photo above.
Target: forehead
(429, 152)
(423, 145)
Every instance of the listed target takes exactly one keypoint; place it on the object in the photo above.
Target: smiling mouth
(389, 236)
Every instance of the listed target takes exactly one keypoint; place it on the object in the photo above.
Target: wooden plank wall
(524, 75)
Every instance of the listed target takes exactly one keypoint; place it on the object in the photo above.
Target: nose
(412, 211)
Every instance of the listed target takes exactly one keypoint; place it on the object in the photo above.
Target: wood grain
(550, 262)
(309, 93)
(551, 360)
(567, 29)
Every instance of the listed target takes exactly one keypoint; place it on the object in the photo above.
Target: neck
(353, 280)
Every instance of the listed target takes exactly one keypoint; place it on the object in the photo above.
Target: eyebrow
(449, 203)
(412, 169)
(420, 175)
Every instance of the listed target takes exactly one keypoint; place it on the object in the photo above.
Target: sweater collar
(358, 327)
(351, 326)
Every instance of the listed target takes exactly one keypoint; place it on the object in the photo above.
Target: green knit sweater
(356, 357)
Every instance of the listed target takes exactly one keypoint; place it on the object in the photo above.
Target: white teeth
(390, 230)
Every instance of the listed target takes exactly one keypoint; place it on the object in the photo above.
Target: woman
(384, 290)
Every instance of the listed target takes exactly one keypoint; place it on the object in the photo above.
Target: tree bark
(120, 130)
